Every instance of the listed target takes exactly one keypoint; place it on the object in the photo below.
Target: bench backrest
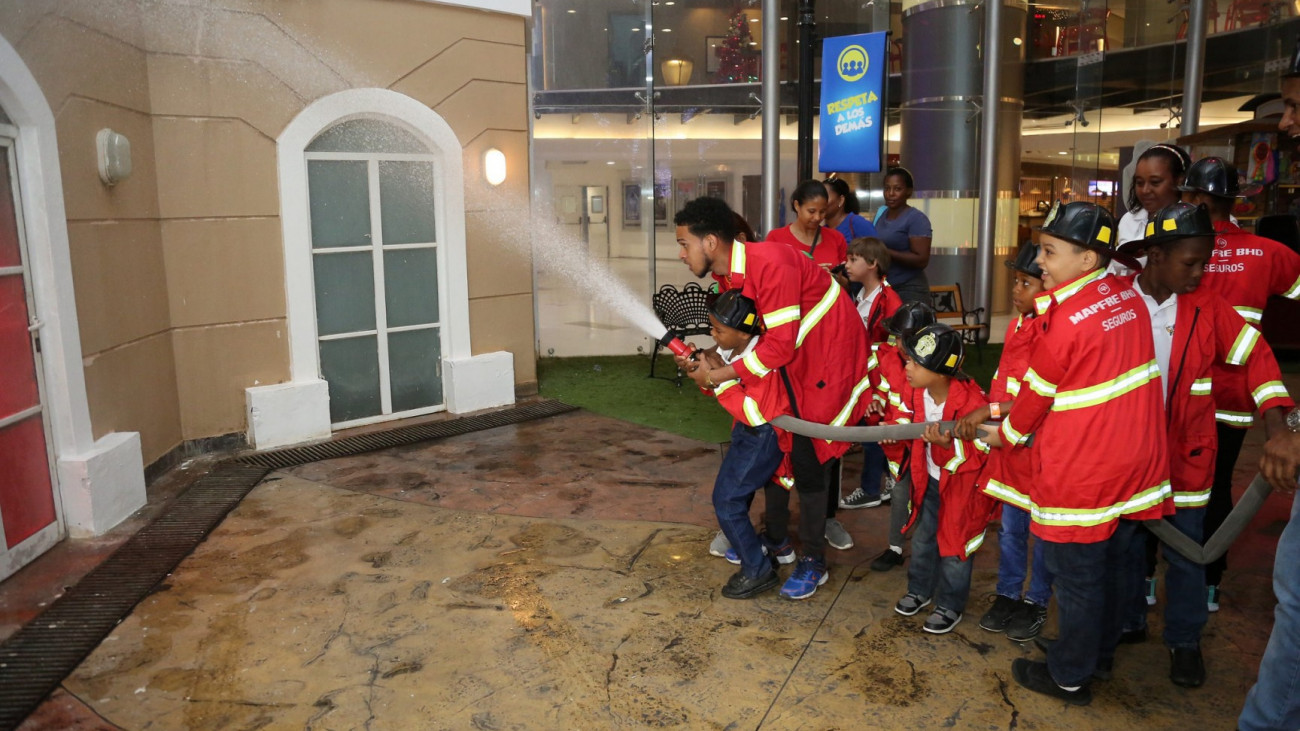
(946, 300)
(684, 310)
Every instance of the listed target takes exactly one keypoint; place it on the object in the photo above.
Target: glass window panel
(367, 135)
(351, 368)
(345, 292)
(411, 286)
(340, 203)
(406, 200)
(415, 368)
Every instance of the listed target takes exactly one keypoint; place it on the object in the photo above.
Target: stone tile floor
(554, 574)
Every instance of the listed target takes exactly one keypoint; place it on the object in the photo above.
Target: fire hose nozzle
(674, 343)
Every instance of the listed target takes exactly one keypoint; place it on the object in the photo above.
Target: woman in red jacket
(825, 246)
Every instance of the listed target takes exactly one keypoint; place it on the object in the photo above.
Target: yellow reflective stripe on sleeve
(1069, 290)
(752, 412)
(1009, 494)
(1244, 343)
(873, 362)
(1039, 385)
(894, 467)
(726, 385)
(1192, 499)
(1082, 398)
(1270, 390)
(1202, 386)
(982, 446)
(786, 481)
(1253, 315)
(818, 312)
(973, 544)
(1234, 418)
(1013, 386)
(847, 410)
(1294, 292)
(755, 365)
(776, 318)
(1009, 433)
(958, 457)
(1096, 516)
(738, 257)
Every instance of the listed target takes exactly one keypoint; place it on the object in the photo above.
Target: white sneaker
(719, 545)
(836, 536)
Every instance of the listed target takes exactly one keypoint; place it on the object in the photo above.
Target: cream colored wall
(179, 269)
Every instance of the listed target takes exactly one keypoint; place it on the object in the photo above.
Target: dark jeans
(1221, 494)
(1091, 582)
(1185, 611)
(750, 462)
(873, 468)
(1014, 565)
(946, 578)
(812, 481)
(899, 511)
(916, 289)
(1274, 701)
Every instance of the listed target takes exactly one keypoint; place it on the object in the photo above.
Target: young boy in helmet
(758, 454)
(888, 381)
(1194, 328)
(1245, 270)
(1018, 613)
(1091, 399)
(877, 302)
(948, 510)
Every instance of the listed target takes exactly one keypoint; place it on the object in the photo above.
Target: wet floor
(555, 574)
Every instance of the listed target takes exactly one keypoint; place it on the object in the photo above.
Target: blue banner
(852, 115)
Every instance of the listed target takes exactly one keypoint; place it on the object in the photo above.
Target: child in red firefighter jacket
(948, 510)
(1194, 330)
(876, 302)
(1008, 474)
(759, 452)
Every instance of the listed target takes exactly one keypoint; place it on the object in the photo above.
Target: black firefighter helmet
(1215, 176)
(1026, 261)
(910, 317)
(1088, 225)
(736, 311)
(1175, 221)
(936, 348)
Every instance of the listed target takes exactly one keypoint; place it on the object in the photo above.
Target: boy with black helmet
(1245, 270)
(1092, 388)
(888, 381)
(948, 510)
(1018, 613)
(1193, 329)
(759, 452)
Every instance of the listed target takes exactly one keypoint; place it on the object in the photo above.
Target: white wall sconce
(113, 153)
(494, 166)
(677, 71)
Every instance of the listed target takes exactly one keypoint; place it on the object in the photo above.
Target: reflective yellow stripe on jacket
(1082, 398)
(1084, 517)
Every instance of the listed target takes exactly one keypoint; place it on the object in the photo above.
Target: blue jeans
(1274, 701)
(1090, 583)
(750, 462)
(873, 468)
(1185, 611)
(946, 578)
(1013, 540)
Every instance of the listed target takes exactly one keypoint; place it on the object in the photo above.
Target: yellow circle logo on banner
(852, 63)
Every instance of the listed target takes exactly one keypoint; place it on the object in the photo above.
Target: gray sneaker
(719, 545)
(836, 536)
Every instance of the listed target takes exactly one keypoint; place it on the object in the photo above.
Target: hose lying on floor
(1216, 546)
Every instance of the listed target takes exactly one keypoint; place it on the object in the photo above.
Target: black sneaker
(1036, 677)
(1186, 667)
(1133, 636)
(1104, 670)
(911, 604)
(860, 499)
(996, 618)
(1027, 622)
(887, 560)
(740, 586)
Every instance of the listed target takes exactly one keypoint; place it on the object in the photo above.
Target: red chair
(1244, 13)
(1082, 35)
(1211, 16)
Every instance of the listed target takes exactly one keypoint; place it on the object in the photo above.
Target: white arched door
(376, 271)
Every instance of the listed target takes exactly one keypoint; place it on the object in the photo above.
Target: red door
(26, 489)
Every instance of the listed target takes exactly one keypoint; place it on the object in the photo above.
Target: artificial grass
(618, 387)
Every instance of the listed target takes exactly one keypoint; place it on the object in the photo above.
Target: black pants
(1230, 441)
(812, 481)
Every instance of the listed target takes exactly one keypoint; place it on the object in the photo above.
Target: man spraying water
(814, 343)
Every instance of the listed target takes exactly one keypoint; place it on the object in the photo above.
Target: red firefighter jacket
(756, 404)
(1208, 332)
(1246, 270)
(888, 379)
(831, 250)
(1011, 469)
(882, 308)
(812, 332)
(964, 512)
(1091, 398)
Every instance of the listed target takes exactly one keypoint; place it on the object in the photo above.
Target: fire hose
(1241, 515)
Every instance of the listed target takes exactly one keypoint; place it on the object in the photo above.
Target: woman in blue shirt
(907, 233)
(842, 212)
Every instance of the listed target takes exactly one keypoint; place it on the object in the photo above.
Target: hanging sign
(852, 114)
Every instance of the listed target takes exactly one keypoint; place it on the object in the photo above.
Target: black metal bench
(685, 311)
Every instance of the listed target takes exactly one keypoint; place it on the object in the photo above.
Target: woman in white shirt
(1159, 172)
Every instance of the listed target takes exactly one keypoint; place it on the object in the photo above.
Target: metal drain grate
(348, 446)
(40, 655)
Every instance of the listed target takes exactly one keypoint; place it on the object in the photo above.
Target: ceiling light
(785, 17)
(609, 162)
(571, 12)
(1015, 41)
(668, 30)
(1062, 152)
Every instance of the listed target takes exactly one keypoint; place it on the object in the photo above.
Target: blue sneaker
(784, 553)
(807, 576)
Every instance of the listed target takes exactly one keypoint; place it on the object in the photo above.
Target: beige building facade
(306, 238)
